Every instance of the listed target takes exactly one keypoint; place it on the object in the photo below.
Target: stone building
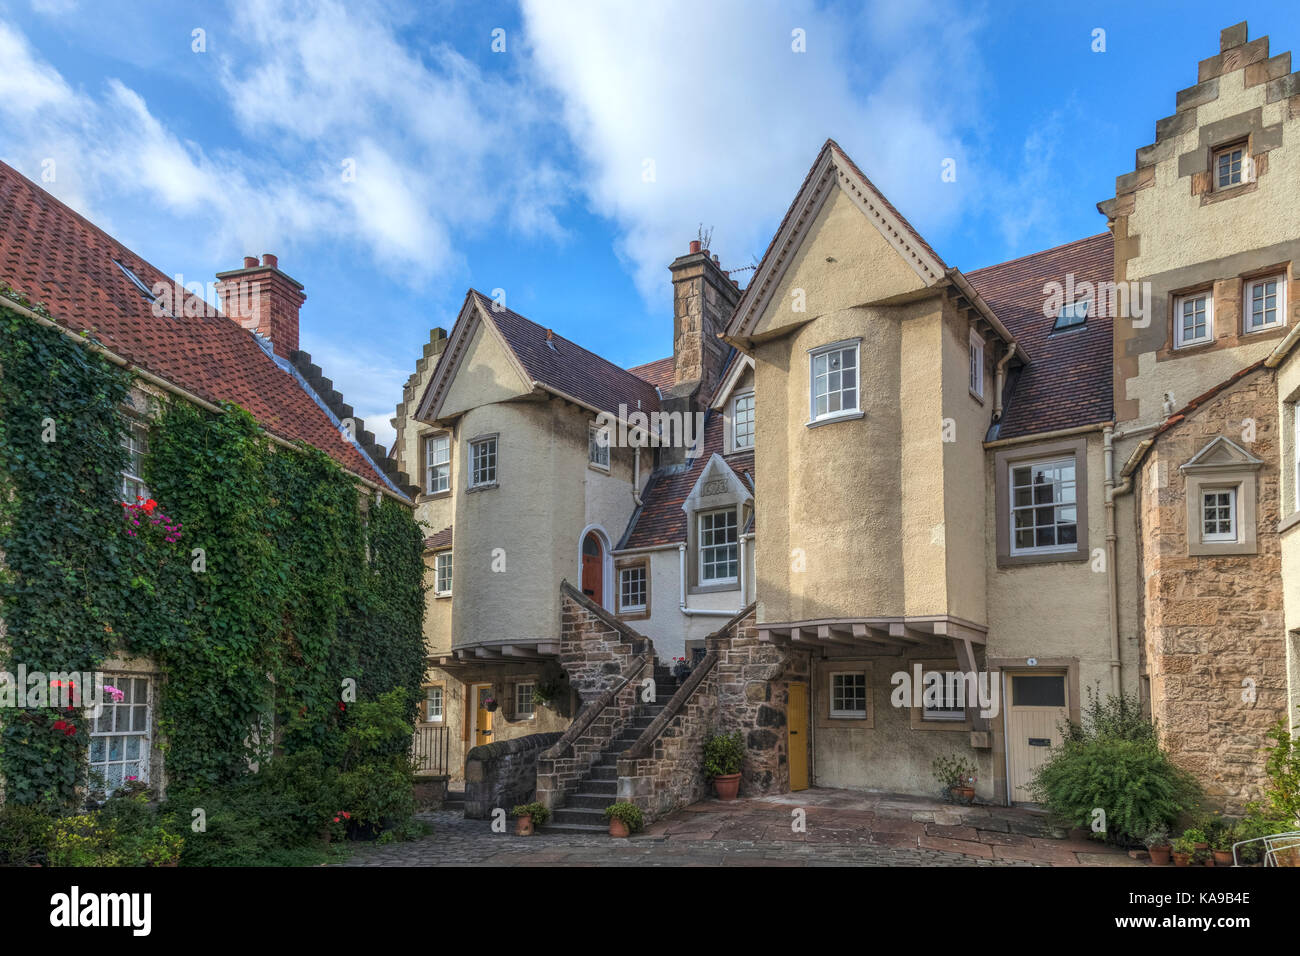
(1074, 472)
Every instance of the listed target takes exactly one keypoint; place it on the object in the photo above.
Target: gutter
(176, 390)
(999, 380)
(975, 299)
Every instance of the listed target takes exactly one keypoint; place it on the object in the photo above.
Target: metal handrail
(1288, 840)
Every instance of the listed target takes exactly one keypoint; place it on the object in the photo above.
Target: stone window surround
(424, 714)
(516, 713)
(1003, 460)
(469, 463)
(1283, 300)
(620, 564)
(916, 715)
(1176, 317)
(1240, 476)
(1229, 296)
(693, 551)
(424, 440)
(822, 693)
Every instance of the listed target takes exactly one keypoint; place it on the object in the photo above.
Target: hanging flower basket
(490, 704)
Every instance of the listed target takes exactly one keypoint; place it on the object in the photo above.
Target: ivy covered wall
(264, 582)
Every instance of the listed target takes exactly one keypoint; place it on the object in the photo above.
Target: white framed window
(1230, 166)
(433, 705)
(833, 374)
(1193, 319)
(1265, 305)
(437, 464)
(742, 421)
(632, 588)
(120, 736)
(1219, 514)
(598, 446)
(1044, 512)
(136, 443)
(940, 704)
(718, 546)
(524, 706)
(976, 364)
(442, 573)
(849, 694)
(482, 462)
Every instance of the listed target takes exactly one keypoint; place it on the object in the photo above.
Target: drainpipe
(999, 378)
(681, 578)
(1113, 491)
(636, 476)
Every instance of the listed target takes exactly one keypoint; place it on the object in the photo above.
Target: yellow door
(1038, 706)
(482, 716)
(797, 727)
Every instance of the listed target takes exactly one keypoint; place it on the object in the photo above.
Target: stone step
(582, 815)
(577, 828)
(603, 772)
(603, 787)
(587, 800)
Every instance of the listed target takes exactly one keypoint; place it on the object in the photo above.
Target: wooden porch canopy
(505, 651)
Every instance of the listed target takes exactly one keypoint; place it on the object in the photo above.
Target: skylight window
(136, 281)
(1072, 315)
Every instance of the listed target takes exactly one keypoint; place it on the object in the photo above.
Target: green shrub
(26, 834)
(1112, 761)
(539, 814)
(86, 839)
(378, 797)
(1283, 769)
(954, 771)
(629, 813)
(724, 754)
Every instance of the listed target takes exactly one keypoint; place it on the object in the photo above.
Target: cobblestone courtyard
(842, 829)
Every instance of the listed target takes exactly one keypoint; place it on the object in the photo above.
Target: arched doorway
(593, 567)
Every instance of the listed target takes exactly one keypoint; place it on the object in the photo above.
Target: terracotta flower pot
(524, 825)
(727, 786)
(617, 828)
(1182, 859)
(1223, 858)
(1160, 854)
(964, 794)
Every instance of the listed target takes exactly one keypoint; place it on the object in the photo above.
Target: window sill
(847, 717)
(488, 487)
(1052, 557)
(440, 595)
(603, 469)
(832, 419)
(976, 395)
(713, 588)
(1289, 522)
(432, 496)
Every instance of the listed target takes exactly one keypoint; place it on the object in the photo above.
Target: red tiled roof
(59, 259)
(660, 519)
(440, 540)
(659, 373)
(1068, 383)
(568, 367)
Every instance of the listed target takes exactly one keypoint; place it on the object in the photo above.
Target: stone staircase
(584, 809)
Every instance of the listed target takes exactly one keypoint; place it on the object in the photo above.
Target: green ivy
(286, 586)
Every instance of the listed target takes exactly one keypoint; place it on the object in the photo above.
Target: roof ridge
(1040, 252)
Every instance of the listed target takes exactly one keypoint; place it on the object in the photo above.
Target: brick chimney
(265, 300)
(704, 297)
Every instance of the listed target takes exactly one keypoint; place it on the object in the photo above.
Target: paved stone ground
(843, 828)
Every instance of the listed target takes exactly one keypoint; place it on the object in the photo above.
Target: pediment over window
(1221, 454)
(717, 487)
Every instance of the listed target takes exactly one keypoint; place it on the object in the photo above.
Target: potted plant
(681, 668)
(1196, 836)
(1183, 849)
(529, 816)
(956, 774)
(1157, 843)
(723, 756)
(1222, 846)
(624, 819)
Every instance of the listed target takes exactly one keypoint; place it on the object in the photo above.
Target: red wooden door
(593, 569)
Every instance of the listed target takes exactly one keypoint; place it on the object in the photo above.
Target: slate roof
(61, 260)
(1069, 381)
(660, 519)
(438, 541)
(659, 373)
(568, 367)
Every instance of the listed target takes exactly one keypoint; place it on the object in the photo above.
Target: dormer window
(1072, 315)
(437, 464)
(742, 421)
(1230, 166)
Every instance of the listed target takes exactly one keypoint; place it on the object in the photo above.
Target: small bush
(629, 813)
(1112, 761)
(724, 754)
(378, 797)
(86, 839)
(26, 834)
(539, 814)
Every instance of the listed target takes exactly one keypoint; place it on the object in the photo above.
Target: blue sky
(525, 170)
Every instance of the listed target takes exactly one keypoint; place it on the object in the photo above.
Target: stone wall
(595, 647)
(664, 771)
(753, 694)
(1213, 628)
(503, 774)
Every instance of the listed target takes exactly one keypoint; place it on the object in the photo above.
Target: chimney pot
(715, 260)
(250, 262)
(264, 300)
(270, 261)
(695, 245)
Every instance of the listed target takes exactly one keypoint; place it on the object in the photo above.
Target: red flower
(342, 706)
(60, 724)
(336, 819)
(346, 816)
(150, 505)
(72, 729)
